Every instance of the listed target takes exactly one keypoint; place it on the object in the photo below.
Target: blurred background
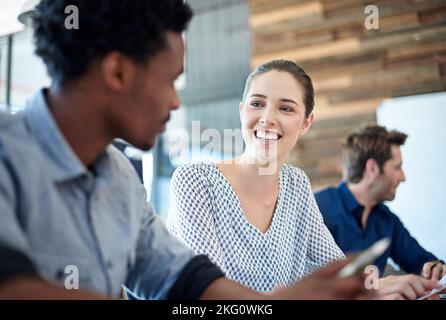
(394, 75)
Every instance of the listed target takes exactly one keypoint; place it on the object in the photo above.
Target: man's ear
(371, 169)
(118, 71)
(307, 123)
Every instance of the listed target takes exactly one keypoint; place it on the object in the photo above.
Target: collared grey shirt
(74, 221)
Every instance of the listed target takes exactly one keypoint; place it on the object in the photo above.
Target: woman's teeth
(267, 135)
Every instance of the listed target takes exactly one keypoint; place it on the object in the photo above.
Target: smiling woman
(262, 228)
(276, 110)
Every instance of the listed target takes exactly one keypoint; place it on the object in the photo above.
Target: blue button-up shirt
(62, 214)
(342, 214)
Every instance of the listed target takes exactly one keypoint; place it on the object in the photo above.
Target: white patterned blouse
(206, 215)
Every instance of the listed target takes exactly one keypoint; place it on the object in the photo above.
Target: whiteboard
(420, 202)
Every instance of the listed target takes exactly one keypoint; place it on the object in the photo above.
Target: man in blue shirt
(354, 211)
(70, 203)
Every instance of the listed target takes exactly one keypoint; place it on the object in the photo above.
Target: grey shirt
(60, 214)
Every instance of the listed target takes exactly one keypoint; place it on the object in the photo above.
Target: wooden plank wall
(353, 68)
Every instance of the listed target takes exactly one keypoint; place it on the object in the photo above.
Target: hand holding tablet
(364, 258)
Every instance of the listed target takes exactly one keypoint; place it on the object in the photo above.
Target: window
(28, 72)
(3, 68)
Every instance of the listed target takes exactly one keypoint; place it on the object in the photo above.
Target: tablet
(365, 258)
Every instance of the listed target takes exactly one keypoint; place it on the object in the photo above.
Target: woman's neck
(256, 175)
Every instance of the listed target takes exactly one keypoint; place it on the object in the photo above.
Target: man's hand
(33, 288)
(434, 270)
(325, 285)
(407, 287)
(321, 285)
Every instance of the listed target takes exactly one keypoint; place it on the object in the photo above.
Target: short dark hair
(136, 28)
(370, 142)
(292, 68)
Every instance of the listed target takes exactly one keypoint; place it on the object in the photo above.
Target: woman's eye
(287, 109)
(256, 104)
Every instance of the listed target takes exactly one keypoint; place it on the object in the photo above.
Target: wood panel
(353, 69)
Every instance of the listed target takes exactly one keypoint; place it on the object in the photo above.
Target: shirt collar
(347, 197)
(65, 164)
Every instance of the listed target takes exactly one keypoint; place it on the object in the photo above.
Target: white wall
(9, 11)
(421, 200)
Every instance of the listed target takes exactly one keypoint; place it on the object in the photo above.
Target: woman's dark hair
(135, 28)
(292, 68)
